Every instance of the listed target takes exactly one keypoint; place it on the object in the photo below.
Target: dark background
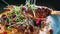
(49, 3)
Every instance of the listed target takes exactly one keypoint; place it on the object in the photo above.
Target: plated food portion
(28, 19)
(24, 19)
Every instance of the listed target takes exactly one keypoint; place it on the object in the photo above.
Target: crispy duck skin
(39, 13)
(42, 12)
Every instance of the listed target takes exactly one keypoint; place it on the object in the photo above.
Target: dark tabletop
(49, 3)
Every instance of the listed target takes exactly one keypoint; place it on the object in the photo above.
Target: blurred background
(49, 3)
